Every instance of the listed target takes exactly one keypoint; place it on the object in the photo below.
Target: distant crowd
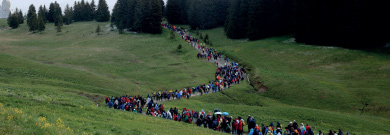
(226, 75)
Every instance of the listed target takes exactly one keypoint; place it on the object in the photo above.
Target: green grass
(56, 80)
(63, 76)
(267, 110)
(327, 78)
(130, 63)
(3, 22)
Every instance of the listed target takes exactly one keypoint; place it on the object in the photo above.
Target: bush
(179, 47)
(172, 35)
(206, 38)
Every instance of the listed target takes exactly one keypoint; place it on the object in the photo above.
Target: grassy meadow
(51, 83)
(3, 22)
(326, 78)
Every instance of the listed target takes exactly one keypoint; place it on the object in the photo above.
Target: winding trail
(220, 61)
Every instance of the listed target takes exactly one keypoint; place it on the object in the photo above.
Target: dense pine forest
(355, 24)
(350, 24)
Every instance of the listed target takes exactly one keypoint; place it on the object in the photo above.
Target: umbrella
(218, 113)
(225, 113)
(216, 110)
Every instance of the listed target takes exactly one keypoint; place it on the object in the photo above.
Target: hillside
(327, 78)
(3, 22)
(46, 76)
(51, 83)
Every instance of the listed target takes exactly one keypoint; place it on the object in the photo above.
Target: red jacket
(235, 126)
(240, 126)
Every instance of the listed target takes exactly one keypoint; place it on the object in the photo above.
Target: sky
(24, 4)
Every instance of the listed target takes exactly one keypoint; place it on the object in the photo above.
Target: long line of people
(225, 76)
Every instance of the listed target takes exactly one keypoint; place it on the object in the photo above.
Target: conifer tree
(60, 23)
(93, 9)
(102, 13)
(13, 21)
(20, 17)
(68, 15)
(46, 14)
(176, 11)
(32, 19)
(98, 30)
(57, 13)
(51, 14)
(41, 24)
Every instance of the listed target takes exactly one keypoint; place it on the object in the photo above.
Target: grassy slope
(322, 86)
(3, 22)
(325, 78)
(267, 110)
(64, 76)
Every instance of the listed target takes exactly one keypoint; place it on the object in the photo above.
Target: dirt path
(221, 63)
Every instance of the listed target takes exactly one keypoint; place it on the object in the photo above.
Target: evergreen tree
(76, 11)
(41, 15)
(13, 21)
(46, 14)
(68, 15)
(20, 17)
(221, 11)
(102, 13)
(93, 9)
(194, 15)
(83, 11)
(57, 13)
(153, 22)
(140, 13)
(176, 11)
(98, 30)
(41, 23)
(88, 12)
(32, 20)
(60, 23)
(51, 13)
(231, 25)
(163, 8)
(256, 27)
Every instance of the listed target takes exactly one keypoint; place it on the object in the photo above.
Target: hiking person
(330, 132)
(340, 132)
(241, 124)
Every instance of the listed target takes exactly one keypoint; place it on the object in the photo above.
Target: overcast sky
(24, 4)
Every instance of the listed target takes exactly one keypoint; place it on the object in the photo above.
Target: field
(327, 78)
(63, 76)
(51, 83)
(3, 22)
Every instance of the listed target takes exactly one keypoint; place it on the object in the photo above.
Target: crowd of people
(226, 75)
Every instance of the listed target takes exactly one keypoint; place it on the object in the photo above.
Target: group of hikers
(215, 120)
(226, 75)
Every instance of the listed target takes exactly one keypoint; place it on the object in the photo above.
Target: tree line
(82, 11)
(202, 14)
(15, 18)
(351, 24)
(138, 15)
